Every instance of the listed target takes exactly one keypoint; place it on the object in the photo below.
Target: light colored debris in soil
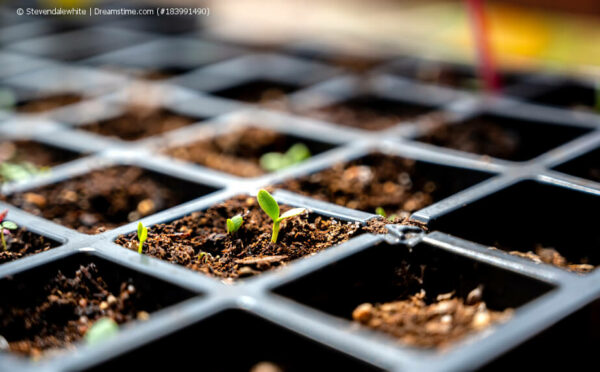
(435, 325)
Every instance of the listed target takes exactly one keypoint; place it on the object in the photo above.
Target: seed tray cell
(305, 303)
(168, 56)
(584, 166)
(79, 44)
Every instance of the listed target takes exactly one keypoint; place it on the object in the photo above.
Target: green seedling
(5, 227)
(142, 233)
(101, 330)
(10, 171)
(380, 211)
(234, 223)
(269, 205)
(274, 161)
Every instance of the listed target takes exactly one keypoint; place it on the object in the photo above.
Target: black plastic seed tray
(299, 316)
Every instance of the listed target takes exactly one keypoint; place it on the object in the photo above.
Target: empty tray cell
(257, 91)
(241, 151)
(141, 122)
(533, 220)
(258, 346)
(47, 102)
(370, 112)
(200, 241)
(424, 296)
(548, 350)
(106, 198)
(570, 96)
(398, 185)
(501, 137)
(48, 309)
(20, 159)
(585, 166)
(447, 74)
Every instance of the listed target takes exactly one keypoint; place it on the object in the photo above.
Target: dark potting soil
(376, 180)
(478, 136)
(103, 199)
(140, 122)
(200, 241)
(257, 91)
(238, 152)
(369, 113)
(434, 324)
(58, 315)
(21, 243)
(35, 153)
(52, 102)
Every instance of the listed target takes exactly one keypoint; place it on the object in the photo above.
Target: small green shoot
(101, 330)
(142, 233)
(234, 223)
(271, 208)
(10, 171)
(274, 161)
(380, 211)
(5, 227)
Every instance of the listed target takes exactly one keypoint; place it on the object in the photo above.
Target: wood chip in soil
(200, 241)
(438, 324)
(55, 318)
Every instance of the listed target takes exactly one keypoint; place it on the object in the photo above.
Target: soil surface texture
(237, 152)
(477, 136)
(21, 243)
(553, 257)
(200, 241)
(55, 318)
(39, 105)
(376, 180)
(435, 324)
(369, 113)
(100, 200)
(140, 122)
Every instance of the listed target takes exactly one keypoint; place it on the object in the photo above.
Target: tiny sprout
(19, 171)
(5, 226)
(142, 233)
(101, 330)
(380, 211)
(271, 208)
(274, 161)
(234, 223)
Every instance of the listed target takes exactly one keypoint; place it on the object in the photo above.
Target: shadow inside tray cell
(538, 221)
(235, 340)
(572, 341)
(392, 278)
(398, 185)
(571, 96)
(501, 137)
(448, 74)
(50, 307)
(257, 91)
(140, 122)
(585, 166)
(107, 198)
(240, 151)
(370, 112)
(22, 159)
